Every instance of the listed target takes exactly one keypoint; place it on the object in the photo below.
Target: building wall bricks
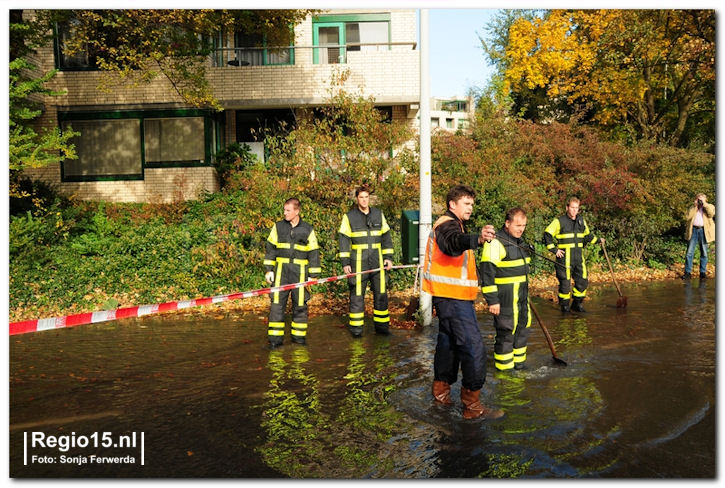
(391, 77)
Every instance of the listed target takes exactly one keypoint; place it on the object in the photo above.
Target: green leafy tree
(27, 147)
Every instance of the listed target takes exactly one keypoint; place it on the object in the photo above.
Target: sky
(456, 59)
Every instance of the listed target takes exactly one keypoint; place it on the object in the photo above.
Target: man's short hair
(294, 201)
(458, 192)
(363, 188)
(513, 212)
(572, 199)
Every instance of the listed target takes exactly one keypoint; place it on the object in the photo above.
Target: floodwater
(203, 397)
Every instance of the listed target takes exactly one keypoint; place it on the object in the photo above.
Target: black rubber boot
(564, 304)
(576, 305)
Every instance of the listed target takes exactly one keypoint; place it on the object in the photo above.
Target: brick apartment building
(141, 143)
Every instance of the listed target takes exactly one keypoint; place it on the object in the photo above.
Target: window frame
(341, 21)
(266, 51)
(210, 138)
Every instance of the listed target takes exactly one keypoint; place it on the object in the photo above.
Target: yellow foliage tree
(649, 68)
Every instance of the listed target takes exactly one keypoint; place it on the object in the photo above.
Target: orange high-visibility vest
(449, 276)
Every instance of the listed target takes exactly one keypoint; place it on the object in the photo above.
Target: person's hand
(347, 269)
(559, 253)
(387, 264)
(495, 309)
(601, 239)
(269, 276)
(488, 233)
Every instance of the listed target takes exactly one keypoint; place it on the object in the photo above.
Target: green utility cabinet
(409, 223)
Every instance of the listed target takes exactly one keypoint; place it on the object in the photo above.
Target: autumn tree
(651, 70)
(139, 45)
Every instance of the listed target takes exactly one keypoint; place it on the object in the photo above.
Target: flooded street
(637, 399)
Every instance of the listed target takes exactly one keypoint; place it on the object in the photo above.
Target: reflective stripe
(568, 265)
(565, 236)
(503, 357)
(298, 329)
(449, 281)
(514, 263)
(303, 262)
(503, 361)
(283, 245)
(516, 304)
(345, 254)
(345, 226)
(510, 280)
(273, 235)
(357, 315)
(278, 278)
(269, 262)
(315, 270)
(360, 246)
(449, 276)
(565, 296)
(276, 329)
(519, 354)
(282, 260)
(381, 316)
(489, 289)
(579, 294)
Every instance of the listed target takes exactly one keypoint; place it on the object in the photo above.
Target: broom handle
(604, 248)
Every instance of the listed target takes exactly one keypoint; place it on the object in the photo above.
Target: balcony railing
(276, 56)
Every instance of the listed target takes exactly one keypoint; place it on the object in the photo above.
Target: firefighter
(292, 256)
(504, 270)
(366, 243)
(449, 275)
(565, 237)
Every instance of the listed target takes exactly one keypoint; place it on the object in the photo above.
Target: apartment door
(329, 37)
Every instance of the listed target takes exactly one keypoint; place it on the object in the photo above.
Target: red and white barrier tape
(138, 311)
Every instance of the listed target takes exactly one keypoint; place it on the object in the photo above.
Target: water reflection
(292, 416)
(636, 399)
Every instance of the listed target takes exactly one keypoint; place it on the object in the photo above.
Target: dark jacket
(364, 239)
(295, 248)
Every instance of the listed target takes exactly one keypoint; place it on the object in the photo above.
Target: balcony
(301, 75)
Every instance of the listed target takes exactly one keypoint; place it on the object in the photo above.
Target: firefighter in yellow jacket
(504, 272)
(366, 243)
(292, 256)
(565, 237)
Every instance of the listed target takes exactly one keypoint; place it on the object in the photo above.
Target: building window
(250, 51)
(336, 35)
(463, 123)
(454, 105)
(120, 145)
(106, 149)
(435, 122)
(79, 61)
(174, 140)
(252, 127)
(450, 124)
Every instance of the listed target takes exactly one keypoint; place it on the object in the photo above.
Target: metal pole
(425, 220)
